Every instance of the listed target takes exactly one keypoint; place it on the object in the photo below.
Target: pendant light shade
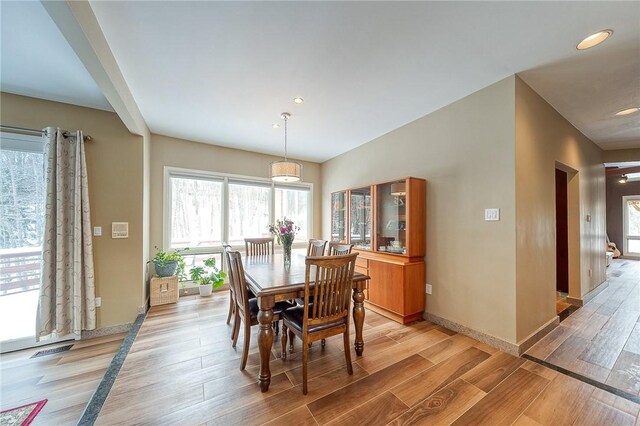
(285, 170)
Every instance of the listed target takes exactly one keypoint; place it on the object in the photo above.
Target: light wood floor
(601, 340)
(67, 379)
(181, 370)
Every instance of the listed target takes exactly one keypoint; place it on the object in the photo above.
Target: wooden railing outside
(19, 269)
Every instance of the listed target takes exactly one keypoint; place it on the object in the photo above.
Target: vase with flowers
(285, 231)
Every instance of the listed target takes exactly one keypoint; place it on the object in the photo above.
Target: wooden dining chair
(316, 247)
(328, 314)
(258, 246)
(246, 308)
(338, 249)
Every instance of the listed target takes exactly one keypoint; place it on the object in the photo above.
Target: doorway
(631, 225)
(21, 229)
(562, 233)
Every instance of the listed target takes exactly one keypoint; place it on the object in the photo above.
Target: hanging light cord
(285, 136)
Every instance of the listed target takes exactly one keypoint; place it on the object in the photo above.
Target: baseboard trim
(106, 331)
(534, 337)
(496, 342)
(587, 297)
(508, 347)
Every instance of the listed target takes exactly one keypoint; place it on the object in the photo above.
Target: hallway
(601, 340)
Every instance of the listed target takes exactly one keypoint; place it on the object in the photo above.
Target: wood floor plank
(561, 402)
(607, 345)
(448, 347)
(633, 344)
(625, 374)
(567, 356)
(378, 410)
(619, 403)
(331, 406)
(274, 405)
(444, 406)
(550, 342)
(437, 377)
(506, 402)
(373, 362)
(598, 414)
(301, 416)
(489, 373)
(526, 421)
(540, 370)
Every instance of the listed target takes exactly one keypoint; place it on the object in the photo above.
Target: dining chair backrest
(337, 249)
(332, 277)
(237, 280)
(258, 246)
(316, 247)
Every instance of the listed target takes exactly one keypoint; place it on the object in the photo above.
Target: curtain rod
(41, 132)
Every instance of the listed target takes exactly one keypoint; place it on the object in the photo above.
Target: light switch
(491, 215)
(97, 231)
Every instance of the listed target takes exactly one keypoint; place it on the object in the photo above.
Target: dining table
(272, 281)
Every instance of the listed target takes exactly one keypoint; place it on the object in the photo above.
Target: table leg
(358, 318)
(265, 341)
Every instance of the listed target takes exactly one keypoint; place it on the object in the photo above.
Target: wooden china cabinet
(386, 223)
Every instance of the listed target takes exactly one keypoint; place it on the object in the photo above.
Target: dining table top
(267, 274)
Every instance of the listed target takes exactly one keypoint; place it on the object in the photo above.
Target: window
(203, 210)
(248, 210)
(196, 212)
(293, 203)
(631, 211)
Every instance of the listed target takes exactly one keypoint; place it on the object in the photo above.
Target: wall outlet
(97, 231)
(429, 289)
(98, 302)
(491, 215)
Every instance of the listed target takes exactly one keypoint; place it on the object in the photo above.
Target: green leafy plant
(163, 259)
(208, 274)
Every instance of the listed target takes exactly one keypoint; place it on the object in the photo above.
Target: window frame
(226, 178)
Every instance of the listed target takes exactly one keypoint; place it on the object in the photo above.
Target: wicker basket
(164, 290)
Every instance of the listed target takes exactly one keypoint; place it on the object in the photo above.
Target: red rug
(23, 415)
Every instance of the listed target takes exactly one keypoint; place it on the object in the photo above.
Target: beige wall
(167, 151)
(115, 166)
(622, 155)
(544, 140)
(466, 153)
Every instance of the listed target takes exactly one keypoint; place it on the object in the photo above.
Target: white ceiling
(37, 61)
(222, 72)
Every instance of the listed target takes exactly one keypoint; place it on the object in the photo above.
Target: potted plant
(169, 263)
(207, 277)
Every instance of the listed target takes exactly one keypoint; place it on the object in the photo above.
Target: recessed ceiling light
(594, 39)
(298, 100)
(275, 125)
(628, 111)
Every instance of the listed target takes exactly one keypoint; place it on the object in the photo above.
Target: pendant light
(285, 170)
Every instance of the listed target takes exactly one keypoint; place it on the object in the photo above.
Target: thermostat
(119, 229)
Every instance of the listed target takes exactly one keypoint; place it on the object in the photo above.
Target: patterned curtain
(67, 292)
(635, 204)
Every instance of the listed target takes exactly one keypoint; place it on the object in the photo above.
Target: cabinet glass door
(339, 216)
(360, 219)
(392, 220)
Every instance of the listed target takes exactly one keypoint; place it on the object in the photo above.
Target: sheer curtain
(67, 293)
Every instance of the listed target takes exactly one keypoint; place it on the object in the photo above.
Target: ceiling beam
(80, 27)
(622, 171)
